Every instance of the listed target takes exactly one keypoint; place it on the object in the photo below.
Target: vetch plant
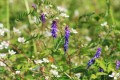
(54, 29)
(67, 34)
(117, 64)
(97, 55)
(34, 38)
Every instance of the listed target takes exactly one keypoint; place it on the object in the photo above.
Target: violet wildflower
(117, 64)
(67, 34)
(42, 17)
(97, 55)
(101, 70)
(54, 29)
(90, 62)
(34, 6)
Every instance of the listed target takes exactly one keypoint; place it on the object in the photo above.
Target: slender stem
(8, 25)
(69, 62)
(29, 18)
(59, 44)
(28, 10)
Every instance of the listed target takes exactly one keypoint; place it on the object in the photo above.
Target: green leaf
(79, 69)
(93, 76)
(110, 68)
(2, 69)
(101, 63)
(100, 73)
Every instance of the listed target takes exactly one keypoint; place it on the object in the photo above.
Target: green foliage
(39, 56)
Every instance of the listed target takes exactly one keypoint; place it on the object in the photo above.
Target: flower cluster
(42, 17)
(115, 75)
(101, 70)
(54, 71)
(21, 39)
(44, 60)
(4, 45)
(117, 64)
(3, 30)
(54, 29)
(67, 34)
(97, 55)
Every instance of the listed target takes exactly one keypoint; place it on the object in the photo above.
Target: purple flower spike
(101, 70)
(54, 29)
(92, 61)
(117, 64)
(34, 6)
(42, 17)
(67, 34)
(97, 55)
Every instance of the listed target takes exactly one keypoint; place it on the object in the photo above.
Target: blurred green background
(76, 8)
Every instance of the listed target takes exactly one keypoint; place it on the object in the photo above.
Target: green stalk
(8, 23)
(29, 18)
(28, 10)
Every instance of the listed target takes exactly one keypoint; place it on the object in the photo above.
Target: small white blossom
(47, 34)
(17, 72)
(2, 32)
(1, 47)
(5, 44)
(104, 24)
(54, 72)
(16, 31)
(11, 52)
(74, 31)
(38, 61)
(78, 75)
(21, 39)
(5, 29)
(45, 60)
(64, 15)
(88, 38)
(47, 78)
(2, 64)
(115, 75)
(57, 18)
(62, 9)
(1, 25)
(2, 55)
(76, 13)
(53, 66)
